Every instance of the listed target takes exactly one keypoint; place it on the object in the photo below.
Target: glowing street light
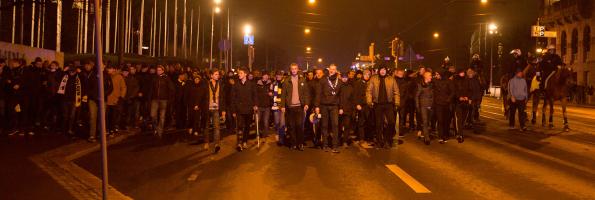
(307, 31)
(308, 49)
(217, 9)
(436, 35)
(319, 60)
(311, 2)
(247, 29)
(484, 1)
(217, 2)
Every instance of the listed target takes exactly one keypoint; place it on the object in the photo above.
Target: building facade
(572, 20)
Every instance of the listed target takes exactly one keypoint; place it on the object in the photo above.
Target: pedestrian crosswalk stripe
(408, 179)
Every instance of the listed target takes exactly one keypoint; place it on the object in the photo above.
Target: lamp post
(249, 40)
(492, 30)
(216, 9)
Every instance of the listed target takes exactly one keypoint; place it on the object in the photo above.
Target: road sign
(538, 31)
(248, 39)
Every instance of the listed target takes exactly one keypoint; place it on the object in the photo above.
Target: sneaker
(335, 150)
(245, 145)
(238, 148)
(523, 129)
(217, 148)
(511, 128)
(442, 141)
(206, 146)
(92, 140)
(300, 147)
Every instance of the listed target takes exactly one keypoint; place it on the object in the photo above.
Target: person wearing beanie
(327, 105)
(383, 95)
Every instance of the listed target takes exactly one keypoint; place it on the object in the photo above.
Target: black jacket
(162, 88)
(476, 89)
(287, 91)
(324, 92)
(89, 85)
(359, 91)
(198, 95)
(263, 99)
(348, 99)
(424, 96)
(132, 86)
(444, 92)
(243, 97)
(462, 88)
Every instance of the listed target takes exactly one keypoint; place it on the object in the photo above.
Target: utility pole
(141, 27)
(58, 25)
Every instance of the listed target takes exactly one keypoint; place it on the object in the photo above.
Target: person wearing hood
(327, 105)
(198, 105)
(462, 101)
(346, 107)
(383, 95)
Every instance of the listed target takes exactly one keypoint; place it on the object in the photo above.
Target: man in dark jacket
(327, 105)
(264, 101)
(131, 100)
(180, 104)
(425, 101)
(70, 92)
(243, 97)
(33, 88)
(443, 96)
(198, 106)
(462, 101)
(161, 93)
(476, 96)
(52, 108)
(295, 100)
(383, 94)
(362, 112)
(16, 95)
(346, 108)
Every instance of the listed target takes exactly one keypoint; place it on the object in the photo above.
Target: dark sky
(342, 28)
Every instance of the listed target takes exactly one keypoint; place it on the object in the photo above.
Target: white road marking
(408, 179)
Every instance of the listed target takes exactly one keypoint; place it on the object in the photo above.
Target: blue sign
(248, 39)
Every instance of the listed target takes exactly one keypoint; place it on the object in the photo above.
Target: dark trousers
(362, 117)
(113, 115)
(461, 115)
(514, 107)
(345, 126)
(382, 113)
(69, 116)
(294, 119)
(442, 113)
(408, 110)
(426, 120)
(132, 113)
(244, 121)
(330, 114)
(17, 116)
(181, 112)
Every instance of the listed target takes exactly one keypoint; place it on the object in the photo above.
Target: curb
(80, 183)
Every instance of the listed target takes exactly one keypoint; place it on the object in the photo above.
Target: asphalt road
(497, 163)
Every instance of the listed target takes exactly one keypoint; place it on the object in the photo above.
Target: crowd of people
(329, 108)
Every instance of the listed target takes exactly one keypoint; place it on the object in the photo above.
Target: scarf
(62, 89)
(214, 94)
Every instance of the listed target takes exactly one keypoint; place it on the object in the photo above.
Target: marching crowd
(329, 108)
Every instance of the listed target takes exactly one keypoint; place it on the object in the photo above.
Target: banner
(11, 51)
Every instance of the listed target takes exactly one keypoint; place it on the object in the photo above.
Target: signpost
(539, 31)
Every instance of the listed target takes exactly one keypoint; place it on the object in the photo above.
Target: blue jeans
(263, 118)
(158, 107)
(280, 125)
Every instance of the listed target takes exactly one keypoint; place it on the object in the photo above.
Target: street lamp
(436, 35)
(308, 49)
(249, 40)
(247, 29)
(493, 29)
(484, 2)
(319, 60)
(307, 31)
(311, 2)
(216, 9)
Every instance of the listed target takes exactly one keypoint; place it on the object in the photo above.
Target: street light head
(484, 1)
(319, 60)
(307, 31)
(436, 35)
(308, 48)
(311, 2)
(492, 27)
(217, 10)
(247, 29)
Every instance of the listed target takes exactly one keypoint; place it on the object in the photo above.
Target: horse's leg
(543, 113)
(551, 119)
(535, 101)
(564, 104)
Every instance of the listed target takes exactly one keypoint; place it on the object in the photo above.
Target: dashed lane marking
(408, 179)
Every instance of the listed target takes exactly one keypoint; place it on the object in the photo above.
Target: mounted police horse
(557, 88)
